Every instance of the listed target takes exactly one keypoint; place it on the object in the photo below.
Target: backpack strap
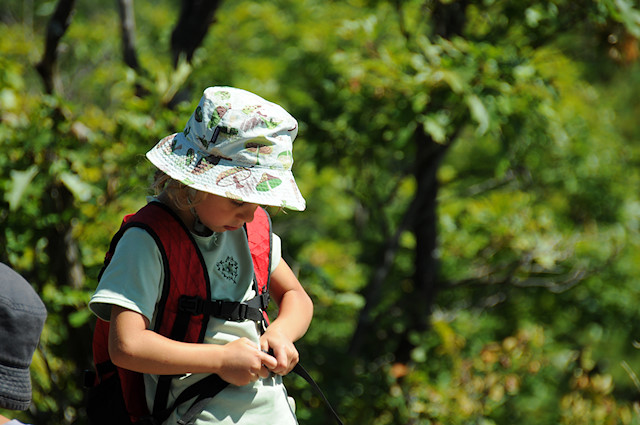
(184, 274)
(302, 372)
(226, 310)
(260, 239)
(161, 223)
(203, 390)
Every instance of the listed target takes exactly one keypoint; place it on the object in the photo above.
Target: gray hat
(22, 316)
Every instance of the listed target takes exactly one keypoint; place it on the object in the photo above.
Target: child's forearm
(295, 306)
(294, 315)
(132, 346)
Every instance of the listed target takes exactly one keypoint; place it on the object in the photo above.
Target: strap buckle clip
(232, 311)
(192, 305)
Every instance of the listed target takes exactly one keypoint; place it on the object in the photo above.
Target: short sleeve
(133, 278)
(276, 251)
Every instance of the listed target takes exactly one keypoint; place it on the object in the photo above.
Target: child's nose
(248, 212)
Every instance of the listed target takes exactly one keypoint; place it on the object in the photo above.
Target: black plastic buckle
(232, 311)
(242, 312)
(192, 305)
(265, 300)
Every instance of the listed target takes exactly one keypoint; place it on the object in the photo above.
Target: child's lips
(231, 228)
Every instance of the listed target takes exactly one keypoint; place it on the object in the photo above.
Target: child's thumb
(268, 360)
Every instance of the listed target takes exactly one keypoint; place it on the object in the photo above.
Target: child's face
(221, 214)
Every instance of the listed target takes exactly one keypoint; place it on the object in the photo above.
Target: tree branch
(373, 290)
(128, 29)
(191, 28)
(55, 30)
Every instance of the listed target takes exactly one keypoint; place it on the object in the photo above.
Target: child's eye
(237, 203)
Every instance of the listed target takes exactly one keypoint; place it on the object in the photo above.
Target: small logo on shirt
(229, 269)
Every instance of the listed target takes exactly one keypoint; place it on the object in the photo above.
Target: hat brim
(15, 388)
(219, 176)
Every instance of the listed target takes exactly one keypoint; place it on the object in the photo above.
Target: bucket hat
(22, 316)
(236, 145)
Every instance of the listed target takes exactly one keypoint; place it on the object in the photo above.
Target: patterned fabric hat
(235, 145)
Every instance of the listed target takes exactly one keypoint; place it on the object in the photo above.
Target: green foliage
(538, 218)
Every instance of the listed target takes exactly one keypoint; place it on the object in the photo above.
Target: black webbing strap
(204, 390)
(178, 331)
(302, 372)
(162, 396)
(192, 306)
(226, 310)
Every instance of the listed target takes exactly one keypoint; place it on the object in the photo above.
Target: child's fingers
(268, 360)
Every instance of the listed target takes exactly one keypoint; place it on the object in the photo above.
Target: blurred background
(471, 167)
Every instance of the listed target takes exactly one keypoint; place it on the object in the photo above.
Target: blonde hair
(182, 196)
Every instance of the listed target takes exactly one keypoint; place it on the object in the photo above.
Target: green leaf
(19, 182)
(629, 16)
(479, 113)
(80, 318)
(435, 130)
(81, 190)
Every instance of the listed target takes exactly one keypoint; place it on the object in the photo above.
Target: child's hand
(244, 362)
(282, 348)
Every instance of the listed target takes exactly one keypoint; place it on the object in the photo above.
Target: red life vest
(185, 304)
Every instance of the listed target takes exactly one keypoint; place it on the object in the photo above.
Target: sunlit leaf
(81, 190)
(20, 181)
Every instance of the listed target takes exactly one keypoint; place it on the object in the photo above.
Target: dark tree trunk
(55, 30)
(62, 248)
(128, 30)
(65, 264)
(420, 218)
(192, 26)
(374, 289)
(417, 304)
(449, 18)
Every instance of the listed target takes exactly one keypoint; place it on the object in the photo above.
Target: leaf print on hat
(216, 116)
(259, 146)
(208, 162)
(233, 196)
(286, 159)
(294, 188)
(191, 154)
(168, 144)
(228, 130)
(250, 123)
(203, 141)
(250, 109)
(233, 176)
(270, 122)
(198, 114)
(268, 182)
(223, 94)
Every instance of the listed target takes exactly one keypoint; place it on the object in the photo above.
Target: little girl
(234, 154)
